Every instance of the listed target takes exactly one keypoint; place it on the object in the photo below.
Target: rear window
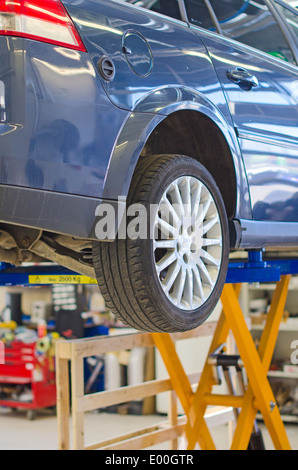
(251, 22)
(198, 14)
(166, 7)
(291, 16)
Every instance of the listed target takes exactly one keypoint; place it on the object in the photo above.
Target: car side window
(251, 22)
(291, 16)
(198, 14)
(166, 7)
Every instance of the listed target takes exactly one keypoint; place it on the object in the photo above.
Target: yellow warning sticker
(61, 279)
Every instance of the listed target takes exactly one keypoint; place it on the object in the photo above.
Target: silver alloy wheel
(187, 243)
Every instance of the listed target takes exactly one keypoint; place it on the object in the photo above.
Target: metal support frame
(258, 396)
(40, 275)
(252, 270)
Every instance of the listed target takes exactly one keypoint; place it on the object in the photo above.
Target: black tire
(126, 269)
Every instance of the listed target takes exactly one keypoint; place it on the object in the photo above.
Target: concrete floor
(19, 433)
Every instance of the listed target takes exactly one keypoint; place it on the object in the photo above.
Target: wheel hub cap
(187, 243)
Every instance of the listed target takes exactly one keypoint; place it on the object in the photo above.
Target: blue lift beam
(254, 269)
(40, 275)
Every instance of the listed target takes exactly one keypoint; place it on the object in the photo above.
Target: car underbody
(25, 245)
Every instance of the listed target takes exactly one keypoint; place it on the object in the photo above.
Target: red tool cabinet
(27, 378)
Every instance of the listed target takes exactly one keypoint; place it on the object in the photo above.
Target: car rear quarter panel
(179, 58)
(66, 131)
(57, 127)
(182, 76)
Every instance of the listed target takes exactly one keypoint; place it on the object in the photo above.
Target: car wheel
(168, 275)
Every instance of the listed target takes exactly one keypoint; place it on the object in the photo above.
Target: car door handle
(243, 78)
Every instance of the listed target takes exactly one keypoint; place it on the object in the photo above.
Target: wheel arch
(197, 130)
(194, 134)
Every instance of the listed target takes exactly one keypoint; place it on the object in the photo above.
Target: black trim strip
(50, 211)
(259, 234)
(280, 141)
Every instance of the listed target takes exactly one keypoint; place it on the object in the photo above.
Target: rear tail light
(43, 20)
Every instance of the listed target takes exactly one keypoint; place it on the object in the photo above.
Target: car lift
(258, 395)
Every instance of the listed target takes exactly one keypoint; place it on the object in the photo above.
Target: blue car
(143, 141)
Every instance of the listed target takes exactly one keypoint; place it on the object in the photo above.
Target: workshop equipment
(27, 377)
(258, 395)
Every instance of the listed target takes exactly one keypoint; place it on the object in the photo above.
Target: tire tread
(119, 266)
